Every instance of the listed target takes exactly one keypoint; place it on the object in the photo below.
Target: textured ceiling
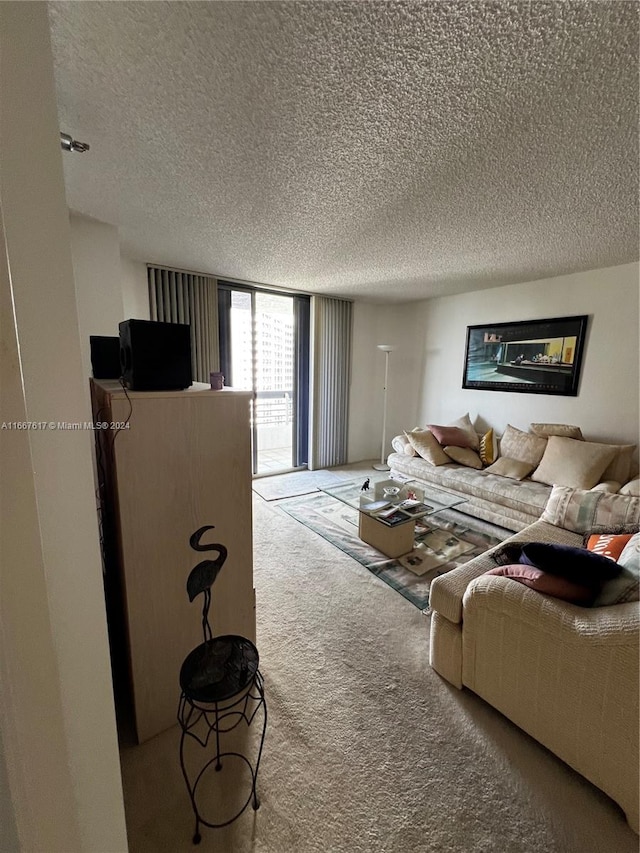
(378, 150)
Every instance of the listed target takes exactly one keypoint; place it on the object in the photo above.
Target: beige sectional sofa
(516, 503)
(565, 674)
(513, 504)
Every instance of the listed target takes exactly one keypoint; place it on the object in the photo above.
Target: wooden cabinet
(182, 461)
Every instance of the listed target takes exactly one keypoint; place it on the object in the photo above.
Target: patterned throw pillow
(578, 464)
(464, 455)
(620, 466)
(464, 423)
(580, 510)
(626, 587)
(609, 545)
(428, 447)
(488, 449)
(523, 446)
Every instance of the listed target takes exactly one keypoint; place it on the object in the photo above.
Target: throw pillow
(567, 430)
(581, 511)
(626, 587)
(631, 488)
(609, 545)
(464, 455)
(523, 446)
(568, 462)
(513, 468)
(620, 466)
(576, 564)
(464, 423)
(544, 582)
(451, 435)
(409, 449)
(488, 449)
(427, 446)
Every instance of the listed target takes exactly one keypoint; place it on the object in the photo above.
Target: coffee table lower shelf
(392, 541)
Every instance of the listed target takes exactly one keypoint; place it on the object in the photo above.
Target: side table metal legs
(200, 720)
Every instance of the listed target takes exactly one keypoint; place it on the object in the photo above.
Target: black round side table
(222, 687)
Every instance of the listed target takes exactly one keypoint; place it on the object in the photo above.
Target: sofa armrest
(446, 592)
(615, 625)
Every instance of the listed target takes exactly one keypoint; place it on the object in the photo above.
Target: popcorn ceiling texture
(380, 150)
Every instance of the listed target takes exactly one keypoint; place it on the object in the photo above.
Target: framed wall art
(528, 356)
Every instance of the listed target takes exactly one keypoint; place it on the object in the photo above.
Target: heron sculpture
(202, 577)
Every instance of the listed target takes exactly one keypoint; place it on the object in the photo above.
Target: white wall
(95, 250)
(425, 383)
(56, 702)
(400, 327)
(135, 290)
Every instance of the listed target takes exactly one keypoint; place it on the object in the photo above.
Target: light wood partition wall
(183, 461)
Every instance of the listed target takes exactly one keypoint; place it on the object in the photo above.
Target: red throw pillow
(450, 435)
(549, 584)
(608, 544)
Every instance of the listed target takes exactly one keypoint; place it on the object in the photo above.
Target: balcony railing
(274, 407)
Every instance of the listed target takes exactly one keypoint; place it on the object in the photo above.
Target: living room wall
(425, 377)
(607, 405)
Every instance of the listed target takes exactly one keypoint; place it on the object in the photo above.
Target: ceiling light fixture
(70, 144)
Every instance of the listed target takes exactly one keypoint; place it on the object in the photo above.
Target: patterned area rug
(296, 483)
(443, 541)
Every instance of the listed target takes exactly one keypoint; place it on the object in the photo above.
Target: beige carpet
(367, 748)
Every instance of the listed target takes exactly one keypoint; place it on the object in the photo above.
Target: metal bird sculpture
(202, 576)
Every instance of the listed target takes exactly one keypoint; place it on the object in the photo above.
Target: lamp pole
(386, 348)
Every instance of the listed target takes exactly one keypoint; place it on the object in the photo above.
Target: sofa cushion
(513, 468)
(567, 430)
(399, 442)
(464, 423)
(546, 583)
(569, 462)
(464, 455)
(523, 446)
(521, 496)
(579, 565)
(626, 586)
(581, 511)
(427, 446)
(488, 449)
(620, 466)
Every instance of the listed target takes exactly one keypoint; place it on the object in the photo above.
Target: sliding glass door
(264, 348)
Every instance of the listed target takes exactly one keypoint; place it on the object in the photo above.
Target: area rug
(443, 541)
(293, 484)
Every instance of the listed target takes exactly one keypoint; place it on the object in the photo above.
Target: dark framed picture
(528, 356)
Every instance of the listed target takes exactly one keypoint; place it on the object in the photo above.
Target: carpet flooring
(443, 541)
(367, 749)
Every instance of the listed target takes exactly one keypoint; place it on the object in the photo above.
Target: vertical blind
(182, 297)
(331, 376)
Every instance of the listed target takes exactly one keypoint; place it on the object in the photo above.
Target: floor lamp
(386, 349)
